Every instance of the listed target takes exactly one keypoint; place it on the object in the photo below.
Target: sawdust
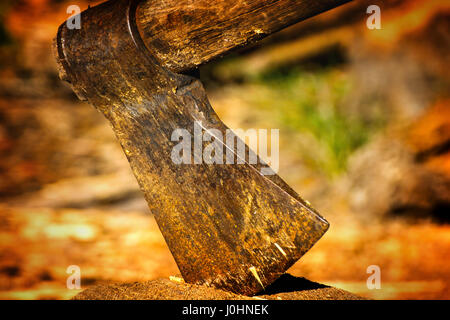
(285, 288)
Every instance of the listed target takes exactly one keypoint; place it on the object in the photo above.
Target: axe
(226, 225)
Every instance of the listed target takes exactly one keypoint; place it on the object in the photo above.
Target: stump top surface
(285, 288)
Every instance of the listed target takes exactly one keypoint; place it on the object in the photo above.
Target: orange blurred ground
(37, 246)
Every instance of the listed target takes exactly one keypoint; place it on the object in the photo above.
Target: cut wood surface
(287, 287)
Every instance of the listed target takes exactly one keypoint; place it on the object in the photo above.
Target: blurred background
(364, 118)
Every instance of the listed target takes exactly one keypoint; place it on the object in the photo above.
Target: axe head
(227, 225)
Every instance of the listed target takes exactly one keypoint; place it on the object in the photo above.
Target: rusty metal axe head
(226, 225)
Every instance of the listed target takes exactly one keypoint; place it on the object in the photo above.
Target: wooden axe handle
(184, 34)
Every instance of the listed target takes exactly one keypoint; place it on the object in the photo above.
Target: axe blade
(226, 225)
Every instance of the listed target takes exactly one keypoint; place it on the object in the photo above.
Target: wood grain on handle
(184, 34)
